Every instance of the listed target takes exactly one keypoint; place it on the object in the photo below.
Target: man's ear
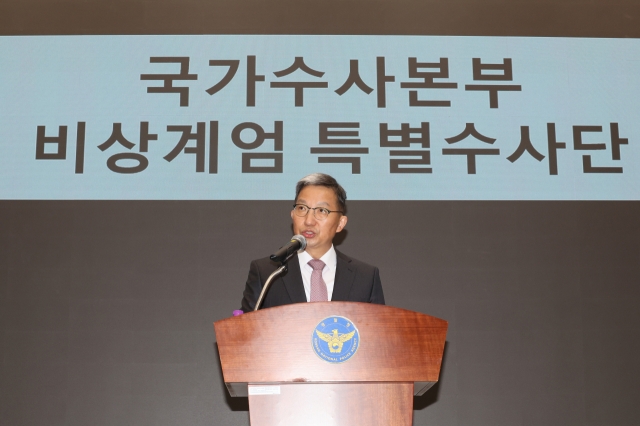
(342, 223)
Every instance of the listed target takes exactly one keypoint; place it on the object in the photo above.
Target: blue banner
(391, 117)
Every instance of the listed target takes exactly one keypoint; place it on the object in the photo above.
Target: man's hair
(320, 179)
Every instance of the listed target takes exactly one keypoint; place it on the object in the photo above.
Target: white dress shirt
(328, 273)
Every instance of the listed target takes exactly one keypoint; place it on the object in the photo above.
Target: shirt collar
(330, 258)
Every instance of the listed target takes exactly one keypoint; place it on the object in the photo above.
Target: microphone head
(302, 240)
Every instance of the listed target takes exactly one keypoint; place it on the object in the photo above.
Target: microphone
(284, 253)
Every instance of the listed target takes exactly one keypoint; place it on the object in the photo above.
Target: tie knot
(316, 264)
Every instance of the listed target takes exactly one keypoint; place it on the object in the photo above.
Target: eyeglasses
(319, 213)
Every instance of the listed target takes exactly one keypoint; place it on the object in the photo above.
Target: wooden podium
(269, 356)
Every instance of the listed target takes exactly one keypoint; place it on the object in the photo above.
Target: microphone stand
(280, 270)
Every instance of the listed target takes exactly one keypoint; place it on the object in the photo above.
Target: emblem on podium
(335, 339)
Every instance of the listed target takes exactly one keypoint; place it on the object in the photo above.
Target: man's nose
(310, 217)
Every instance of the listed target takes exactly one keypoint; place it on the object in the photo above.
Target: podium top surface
(276, 345)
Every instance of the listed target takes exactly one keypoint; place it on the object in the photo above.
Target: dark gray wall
(107, 306)
(572, 18)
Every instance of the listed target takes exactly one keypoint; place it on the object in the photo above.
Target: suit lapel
(293, 281)
(345, 274)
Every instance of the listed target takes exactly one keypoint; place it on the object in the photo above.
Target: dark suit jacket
(355, 282)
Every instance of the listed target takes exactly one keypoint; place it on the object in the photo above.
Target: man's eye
(323, 211)
(301, 208)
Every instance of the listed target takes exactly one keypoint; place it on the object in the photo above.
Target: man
(320, 273)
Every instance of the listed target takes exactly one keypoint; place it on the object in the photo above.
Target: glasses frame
(315, 209)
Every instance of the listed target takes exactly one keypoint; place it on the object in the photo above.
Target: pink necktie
(318, 286)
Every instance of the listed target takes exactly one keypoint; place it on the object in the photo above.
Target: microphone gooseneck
(297, 244)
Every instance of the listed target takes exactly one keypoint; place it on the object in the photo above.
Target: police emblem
(335, 339)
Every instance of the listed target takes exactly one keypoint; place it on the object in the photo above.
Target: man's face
(319, 233)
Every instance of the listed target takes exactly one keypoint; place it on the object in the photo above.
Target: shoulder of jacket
(354, 262)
